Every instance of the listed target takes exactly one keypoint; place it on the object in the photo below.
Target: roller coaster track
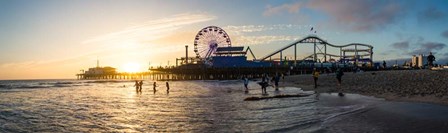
(317, 40)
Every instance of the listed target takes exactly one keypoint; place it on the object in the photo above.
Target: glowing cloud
(153, 29)
(273, 10)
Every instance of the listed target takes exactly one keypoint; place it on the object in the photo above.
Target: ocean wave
(66, 82)
(4, 86)
(39, 84)
(303, 126)
(32, 86)
(109, 81)
(351, 109)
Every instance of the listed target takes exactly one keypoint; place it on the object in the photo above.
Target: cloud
(427, 47)
(249, 34)
(256, 40)
(153, 29)
(443, 59)
(246, 28)
(358, 15)
(130, 44)
(433, 45)
(274, 10)
(430, 14)
(417, 45)
(366, 15)
(445, 34)
(401, 45)
(259, 28)
(388, 52)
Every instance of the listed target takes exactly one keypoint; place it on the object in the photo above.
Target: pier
(197, 72)
(194, 74)
(216, 59)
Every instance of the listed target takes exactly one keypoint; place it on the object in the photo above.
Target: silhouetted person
(276, 80)
(136, 86)
(327, 70)
(431, 59)
(283, 76)
(264, 78)
(339, 74)
(384, 64)
(167, 87)
(315, 76)
(154, 87)
(140, 85)
(263, 86)
(246, 82)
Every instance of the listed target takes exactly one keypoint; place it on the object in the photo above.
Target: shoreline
(406, 117)
(399, 85)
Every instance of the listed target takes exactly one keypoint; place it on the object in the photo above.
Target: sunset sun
(131, 67)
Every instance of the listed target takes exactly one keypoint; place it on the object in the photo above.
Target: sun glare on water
(131, 67)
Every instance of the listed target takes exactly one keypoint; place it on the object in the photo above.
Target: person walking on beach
(137, 85)
(167, 87)
(431, 59)
(140, 85)
(154, 87)
(384, 64)
(264, 83)
(276, 80)
(315, 76)
(263, 87)
(246, 82)
(268, 79)
(283, 76)
(263, 78)
(339, 74)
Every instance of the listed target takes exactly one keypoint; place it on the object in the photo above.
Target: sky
(54, 39)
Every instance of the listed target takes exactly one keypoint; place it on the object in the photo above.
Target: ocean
(190, 106)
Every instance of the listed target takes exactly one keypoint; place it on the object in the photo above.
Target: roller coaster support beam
(281, 59)
(340, 54)
(295, 55)
(325, 50)
(356, 54)
(315, 55)
(371, 57)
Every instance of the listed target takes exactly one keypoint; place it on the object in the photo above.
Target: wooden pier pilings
(200, 72)
(179, 73)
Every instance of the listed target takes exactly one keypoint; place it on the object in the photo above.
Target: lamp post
(186, 53)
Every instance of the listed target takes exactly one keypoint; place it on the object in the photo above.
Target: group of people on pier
(138, 86)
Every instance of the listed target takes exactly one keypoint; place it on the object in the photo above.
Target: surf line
(276, 96)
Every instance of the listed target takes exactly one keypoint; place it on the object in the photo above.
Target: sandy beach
(398, 85)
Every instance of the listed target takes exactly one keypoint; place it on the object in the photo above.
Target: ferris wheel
(208, 40)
